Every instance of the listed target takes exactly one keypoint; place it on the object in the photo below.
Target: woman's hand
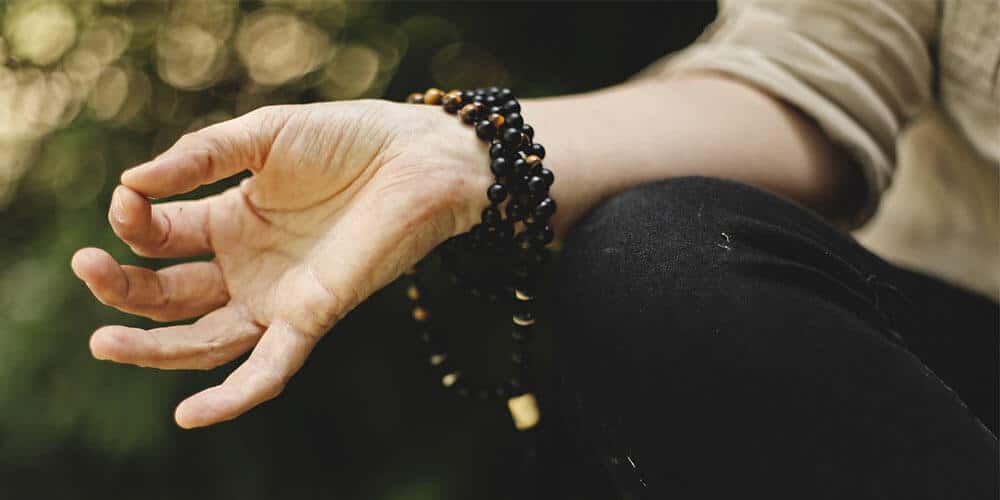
(344, 197)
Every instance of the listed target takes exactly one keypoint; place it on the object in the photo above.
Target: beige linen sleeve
(860, 68)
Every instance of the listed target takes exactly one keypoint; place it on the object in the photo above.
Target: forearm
(605, 142)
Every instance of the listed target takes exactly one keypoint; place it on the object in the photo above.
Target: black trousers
(717, 341)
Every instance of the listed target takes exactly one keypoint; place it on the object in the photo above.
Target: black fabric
(716, 341)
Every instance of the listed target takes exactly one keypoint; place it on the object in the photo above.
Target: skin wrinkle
(335, 301)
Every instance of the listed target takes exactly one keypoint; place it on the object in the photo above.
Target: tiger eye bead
(415, 98)
(497, 120)
(467, 113)
(525, 143)
(452, 101)
(420, 314)
(451, 107)
(433, 96)
(533, 160)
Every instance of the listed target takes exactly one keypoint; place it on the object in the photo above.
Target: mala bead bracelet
(512, 234)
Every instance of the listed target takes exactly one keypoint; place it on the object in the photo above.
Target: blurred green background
(90, 87)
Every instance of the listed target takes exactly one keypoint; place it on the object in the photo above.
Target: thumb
(210, 154)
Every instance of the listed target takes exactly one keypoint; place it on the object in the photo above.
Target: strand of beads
(513, 231)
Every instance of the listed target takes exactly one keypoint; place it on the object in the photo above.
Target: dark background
(364, 418)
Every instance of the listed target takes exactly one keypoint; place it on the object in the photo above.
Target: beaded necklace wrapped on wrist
(514, 231)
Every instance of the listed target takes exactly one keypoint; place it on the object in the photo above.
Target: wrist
(463, 162)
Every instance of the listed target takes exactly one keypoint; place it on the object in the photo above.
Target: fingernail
(117, 206)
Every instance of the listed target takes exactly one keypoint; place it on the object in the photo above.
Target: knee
(654, 241)
(668, 271)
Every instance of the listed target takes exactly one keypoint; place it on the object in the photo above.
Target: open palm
(343, 198)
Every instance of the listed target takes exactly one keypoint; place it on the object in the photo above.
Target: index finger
(208, 155)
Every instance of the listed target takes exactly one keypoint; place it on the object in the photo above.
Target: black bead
(505, 230)
(529, 131)
(520, 358)
(546, 174)
(483, 393)
(519, 184)
(500, 392)
(497, 150)
(490, 100)
(523, 241)
(480, 90)
(516, 211)
(505, 95)
(537, 149)
(512, 138)
(500, 167)
(468, 96)
(545, 209)
(495, 110)
(476, 233)
(496, 193)
(512, 106)
(494, 90)
(485, 130)
(491, 216)
(515, 387)
(520, 167)
(521, 334)
(479, 98)
(514, 120)
(537, 186)
(543, 233)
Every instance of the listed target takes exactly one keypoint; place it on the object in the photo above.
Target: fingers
(175, 229)
(282, 350)
(172, 293)
(208, 155)
(215, 339)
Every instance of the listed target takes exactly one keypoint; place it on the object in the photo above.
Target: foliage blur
(90, 87)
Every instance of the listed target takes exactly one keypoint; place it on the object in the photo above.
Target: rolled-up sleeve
(860, 68)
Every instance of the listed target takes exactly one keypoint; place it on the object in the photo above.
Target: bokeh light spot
(39, 32)
(277, 47)
(351, 72)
